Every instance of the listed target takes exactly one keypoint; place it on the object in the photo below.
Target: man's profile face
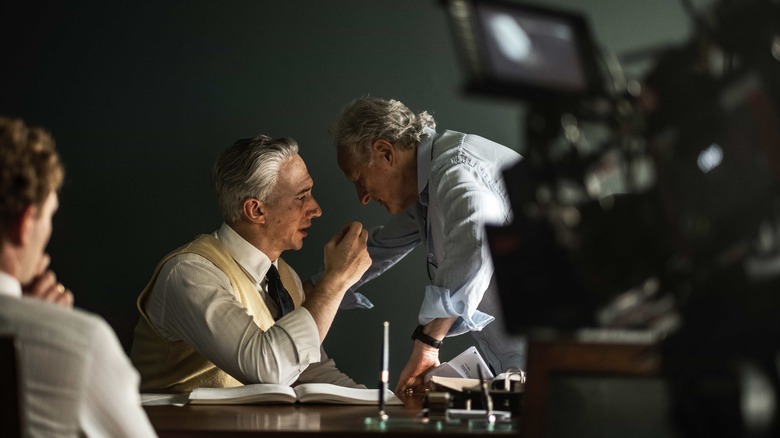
(37, 236)
(291, 207)
(384, 181)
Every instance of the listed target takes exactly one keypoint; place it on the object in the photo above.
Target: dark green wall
(141, 96)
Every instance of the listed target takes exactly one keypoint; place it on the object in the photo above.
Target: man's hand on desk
(424, 358)
(425, 355)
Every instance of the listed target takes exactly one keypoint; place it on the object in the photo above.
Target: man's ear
(383, 150)
(21, 229)
(253, 210)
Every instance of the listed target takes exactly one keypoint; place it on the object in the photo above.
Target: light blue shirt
(461, 189)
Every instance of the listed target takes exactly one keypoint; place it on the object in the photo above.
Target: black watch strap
(425, 339)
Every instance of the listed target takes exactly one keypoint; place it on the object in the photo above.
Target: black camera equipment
(650, 203)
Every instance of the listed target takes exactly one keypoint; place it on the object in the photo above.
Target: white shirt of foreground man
(75, 377)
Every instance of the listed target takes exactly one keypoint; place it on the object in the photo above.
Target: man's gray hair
(367, 119)
(249, 169)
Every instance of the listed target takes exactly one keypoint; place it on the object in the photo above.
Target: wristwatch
(425, 339)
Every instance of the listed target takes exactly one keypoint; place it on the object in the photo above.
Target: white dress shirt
(75, 378)
(192, 301)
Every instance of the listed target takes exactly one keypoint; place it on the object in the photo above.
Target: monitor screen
(524, 51)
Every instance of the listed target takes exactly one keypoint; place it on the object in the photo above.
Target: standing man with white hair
(441, 188)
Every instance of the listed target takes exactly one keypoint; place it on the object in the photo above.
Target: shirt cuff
(305, 335)
(439, 304)
(355, 300)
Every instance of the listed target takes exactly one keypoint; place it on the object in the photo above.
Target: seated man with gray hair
(225, 309)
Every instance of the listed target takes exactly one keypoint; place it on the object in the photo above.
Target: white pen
(384, 374)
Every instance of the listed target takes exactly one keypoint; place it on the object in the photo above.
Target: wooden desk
(306, 420)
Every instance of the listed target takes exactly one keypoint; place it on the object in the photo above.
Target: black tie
(277, 291)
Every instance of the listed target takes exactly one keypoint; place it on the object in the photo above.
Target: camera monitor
(523, 51)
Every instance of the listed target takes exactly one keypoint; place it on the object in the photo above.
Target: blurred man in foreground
(75, 379)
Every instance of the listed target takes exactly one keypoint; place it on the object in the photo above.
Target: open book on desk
(269, 393)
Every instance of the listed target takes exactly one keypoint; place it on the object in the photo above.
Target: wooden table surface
(310, 419)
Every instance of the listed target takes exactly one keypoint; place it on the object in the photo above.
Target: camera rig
(649, 203)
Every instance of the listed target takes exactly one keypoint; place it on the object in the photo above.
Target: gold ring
(60, 288)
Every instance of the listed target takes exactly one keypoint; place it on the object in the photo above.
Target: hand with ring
(44, 286)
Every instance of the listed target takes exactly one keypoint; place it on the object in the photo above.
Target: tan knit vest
(167, 366)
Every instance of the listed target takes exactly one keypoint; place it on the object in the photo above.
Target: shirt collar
(10, 285)
(424, 161)
(251, 259)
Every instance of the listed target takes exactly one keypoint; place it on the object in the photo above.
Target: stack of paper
(464, 365)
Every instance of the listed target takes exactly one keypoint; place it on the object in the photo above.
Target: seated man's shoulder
(186, 270)
(31, 318)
